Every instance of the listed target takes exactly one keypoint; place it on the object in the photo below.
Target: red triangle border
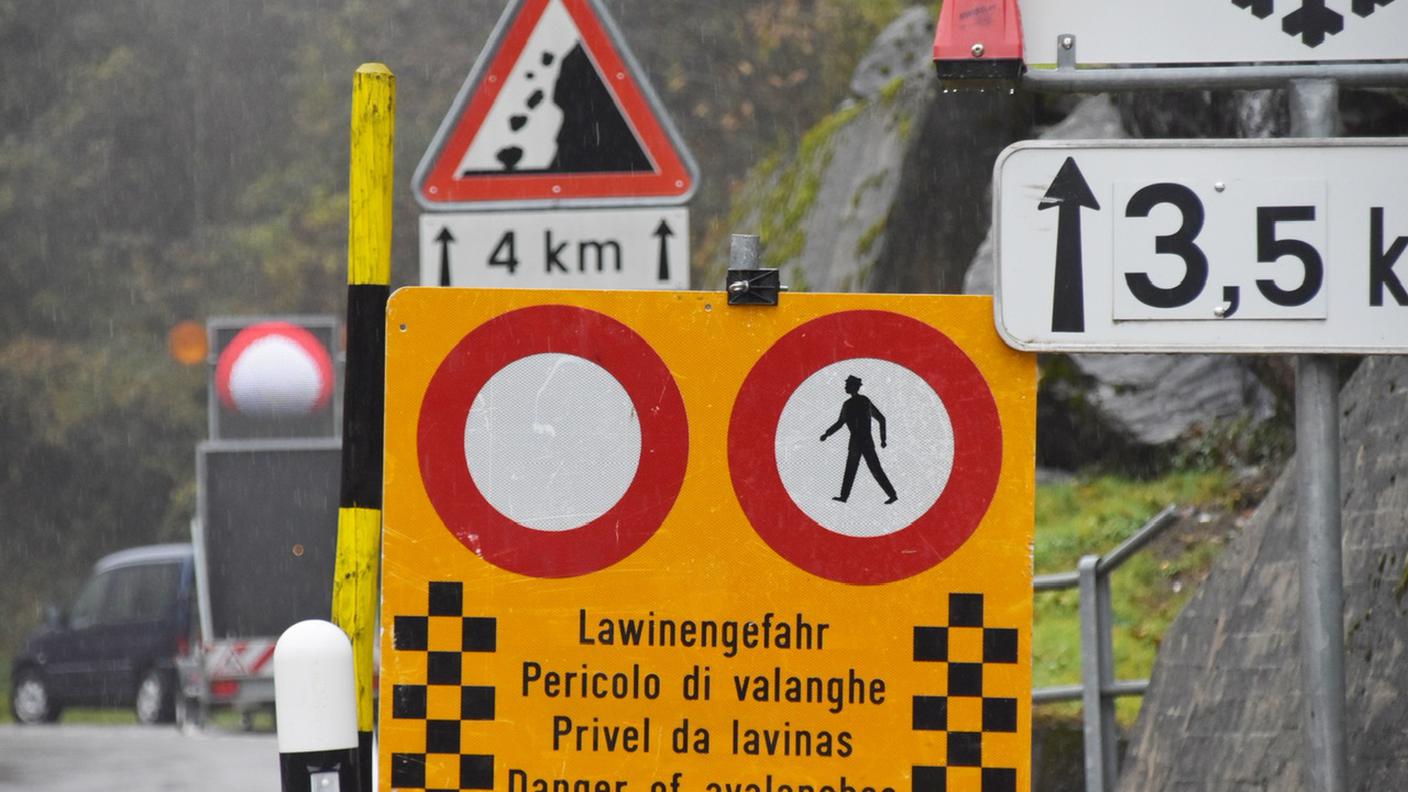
(674, 177)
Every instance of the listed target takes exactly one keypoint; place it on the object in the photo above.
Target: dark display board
(269, 523)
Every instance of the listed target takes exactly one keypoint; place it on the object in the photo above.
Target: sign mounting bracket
(754, 286)
(746, 283)
(1066, 52)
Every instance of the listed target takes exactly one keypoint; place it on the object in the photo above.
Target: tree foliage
(165, 160)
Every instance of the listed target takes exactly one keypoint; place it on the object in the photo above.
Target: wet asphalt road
(76, 758)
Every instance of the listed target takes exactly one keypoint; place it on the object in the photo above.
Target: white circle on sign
(917, 458)
(276, 376)
(552, 441)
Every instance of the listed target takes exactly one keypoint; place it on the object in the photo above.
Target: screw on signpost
(1315, 113)
(354, 598)
(315, 705)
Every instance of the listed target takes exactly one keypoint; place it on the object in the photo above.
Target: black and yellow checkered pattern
(970, 662)
(447, 699)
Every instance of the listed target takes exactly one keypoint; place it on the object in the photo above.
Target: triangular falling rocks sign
(556, 111)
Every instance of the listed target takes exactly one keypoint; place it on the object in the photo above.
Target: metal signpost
(1208, 246)
(653, 541)
(557, 166)
(1315, 113)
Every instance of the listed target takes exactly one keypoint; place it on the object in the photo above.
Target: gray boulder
(901, 50)
(1159, 399)
(1223, 708)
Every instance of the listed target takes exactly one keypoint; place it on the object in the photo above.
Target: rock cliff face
(893, 193)
(1223, 709)
(890, 192)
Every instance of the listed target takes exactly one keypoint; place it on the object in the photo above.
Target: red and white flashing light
(978, 43)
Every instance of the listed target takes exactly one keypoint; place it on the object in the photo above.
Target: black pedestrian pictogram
(856, 413)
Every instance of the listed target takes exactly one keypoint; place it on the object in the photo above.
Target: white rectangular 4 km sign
(630, 248)
(1203, 246)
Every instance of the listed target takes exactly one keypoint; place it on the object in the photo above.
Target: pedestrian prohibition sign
(648, 542)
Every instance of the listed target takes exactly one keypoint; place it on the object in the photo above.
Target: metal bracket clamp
(754, 286)
(1066, 52)
(747, 283)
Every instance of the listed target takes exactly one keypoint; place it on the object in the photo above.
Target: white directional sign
(1112, 33)
(1203, 246)
(632, 248)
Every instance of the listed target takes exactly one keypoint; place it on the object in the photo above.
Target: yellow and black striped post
(354, 593)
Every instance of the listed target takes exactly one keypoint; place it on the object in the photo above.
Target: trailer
(265, 540)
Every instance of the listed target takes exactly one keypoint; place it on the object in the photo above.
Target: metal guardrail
(1099, 688)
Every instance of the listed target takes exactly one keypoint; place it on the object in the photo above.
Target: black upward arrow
(445, 238)
(664, 232)
(1069, 192)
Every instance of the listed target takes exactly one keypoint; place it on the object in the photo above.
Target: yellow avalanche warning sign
(648, 542)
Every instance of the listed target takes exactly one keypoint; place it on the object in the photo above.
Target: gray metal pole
(1097, 661)
(1315, 113)
(743, 251)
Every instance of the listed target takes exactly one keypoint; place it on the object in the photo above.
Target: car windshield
(84, 612)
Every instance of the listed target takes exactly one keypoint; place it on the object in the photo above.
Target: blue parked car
(117, 644)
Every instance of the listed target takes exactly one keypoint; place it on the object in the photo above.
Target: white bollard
(315, 703)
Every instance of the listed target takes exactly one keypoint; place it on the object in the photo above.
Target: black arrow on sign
(1069, 192)
(445, 238)
(664, 232)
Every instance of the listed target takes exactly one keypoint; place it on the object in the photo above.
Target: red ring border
(246, 337)
(566, 330)
(934, 535)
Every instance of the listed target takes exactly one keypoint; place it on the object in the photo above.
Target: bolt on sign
(648, 542)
